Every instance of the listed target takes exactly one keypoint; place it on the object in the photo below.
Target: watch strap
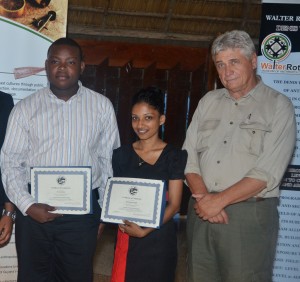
(11, 214)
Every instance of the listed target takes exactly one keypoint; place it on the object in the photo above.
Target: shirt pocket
(205, 131)
(255, 132)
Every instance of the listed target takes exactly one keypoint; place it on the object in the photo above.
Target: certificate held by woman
(141, 201)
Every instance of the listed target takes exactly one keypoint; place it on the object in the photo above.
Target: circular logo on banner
(276, 47)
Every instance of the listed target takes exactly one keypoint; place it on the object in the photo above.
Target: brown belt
(255, 199)
(252, 199)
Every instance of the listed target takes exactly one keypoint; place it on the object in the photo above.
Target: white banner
(8, 262)
(279, 67)
(27, 29)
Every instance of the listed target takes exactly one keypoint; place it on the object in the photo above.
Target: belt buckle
(255, 199)
(259, 199)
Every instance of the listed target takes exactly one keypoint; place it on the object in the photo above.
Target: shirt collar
(253, 93)
(79, 93)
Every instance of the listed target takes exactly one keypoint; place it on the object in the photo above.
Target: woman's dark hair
(68, 42)
(151, 95)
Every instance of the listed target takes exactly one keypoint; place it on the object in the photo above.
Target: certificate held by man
(141, 201)
(68, 189)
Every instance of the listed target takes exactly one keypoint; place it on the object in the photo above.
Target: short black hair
(68, 42)
(152, 96)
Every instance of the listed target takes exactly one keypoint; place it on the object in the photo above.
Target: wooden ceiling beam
(162, 35)
(97, 33)
(257, 2)
(170, 15)
(80, 31)
(158, 15)
(246, 9)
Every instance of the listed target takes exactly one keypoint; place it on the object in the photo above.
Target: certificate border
(159, 200)
(44, 170)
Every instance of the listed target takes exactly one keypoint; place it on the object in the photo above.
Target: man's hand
(6, 226)
(42, 213)
(221, 218)
(209, 207)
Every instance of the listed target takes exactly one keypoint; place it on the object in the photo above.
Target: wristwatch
(11, 214)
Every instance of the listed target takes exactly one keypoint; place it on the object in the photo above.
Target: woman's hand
(134, 230)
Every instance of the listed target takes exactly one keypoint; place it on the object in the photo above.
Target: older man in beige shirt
(239, 144)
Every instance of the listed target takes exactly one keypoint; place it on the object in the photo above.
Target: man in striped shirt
(65, 124)
(7, 215)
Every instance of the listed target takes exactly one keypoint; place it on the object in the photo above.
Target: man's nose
(62, 66)
(228, 70)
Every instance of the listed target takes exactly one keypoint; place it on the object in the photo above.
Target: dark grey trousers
(58, 251)
(241, 251)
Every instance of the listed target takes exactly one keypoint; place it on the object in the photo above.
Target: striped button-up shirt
(46, 131)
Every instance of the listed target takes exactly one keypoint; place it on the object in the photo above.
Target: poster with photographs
(27, 30)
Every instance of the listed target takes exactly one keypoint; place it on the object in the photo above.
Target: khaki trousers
(241, 251)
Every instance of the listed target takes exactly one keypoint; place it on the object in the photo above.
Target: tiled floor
(104, 254)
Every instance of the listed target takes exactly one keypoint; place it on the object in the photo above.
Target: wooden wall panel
(142, 55)
(198, 89)
(177, 96)
(120, 75)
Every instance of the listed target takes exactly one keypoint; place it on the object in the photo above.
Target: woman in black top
(147, 254)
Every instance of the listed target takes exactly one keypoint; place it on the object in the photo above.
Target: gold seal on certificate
(68, 189)
(141, 201)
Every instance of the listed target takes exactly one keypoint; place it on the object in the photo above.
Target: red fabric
(120, 259)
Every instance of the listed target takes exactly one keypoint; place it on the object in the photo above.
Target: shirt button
(216, 184)
(231, 122)
(218, 162)
(253, 132)
(225, 142)
(236, 103)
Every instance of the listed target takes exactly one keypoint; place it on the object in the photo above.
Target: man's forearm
(196, 183)
(242, 190)
(8, 206)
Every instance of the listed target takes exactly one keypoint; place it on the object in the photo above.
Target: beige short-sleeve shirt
(230, 139)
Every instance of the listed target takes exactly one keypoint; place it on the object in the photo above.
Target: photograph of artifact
(47, 17)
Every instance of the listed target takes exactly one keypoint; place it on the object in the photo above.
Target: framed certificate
(66, 188)
(141, 201)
